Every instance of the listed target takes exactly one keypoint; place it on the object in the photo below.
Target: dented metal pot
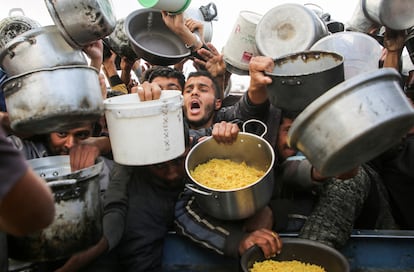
(77, 224)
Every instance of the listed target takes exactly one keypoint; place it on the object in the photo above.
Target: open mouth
(195, 107)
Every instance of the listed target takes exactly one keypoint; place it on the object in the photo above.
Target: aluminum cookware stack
(50, 86)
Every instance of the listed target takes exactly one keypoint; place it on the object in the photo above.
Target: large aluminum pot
(287, 29)
(82, 21)
(152, 39)
(302, 250)
(353, 122)
(395, 14)
(300, 78)
(44, 46)
(237, 203)
(53, 99)
(77, 224)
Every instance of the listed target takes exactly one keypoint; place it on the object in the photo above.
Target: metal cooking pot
(302, 250)
(152, 39)
(300, 78)
(353, 122)
(14, 25)
(77, 224)
(44, 47)
(395, 14)
(118, 42)
(287, 29)
(53, 99)
(237, 203)
(82, 21)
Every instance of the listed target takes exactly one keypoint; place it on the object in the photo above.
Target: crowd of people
(141, 204)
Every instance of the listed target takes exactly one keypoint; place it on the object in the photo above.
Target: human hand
(211, 60)
(85, 257)
(258, 80)
(94, 50)
(394, 40)
(225, 132)
(267, 240)
(147, 91)
(195, 25)
(83, 155)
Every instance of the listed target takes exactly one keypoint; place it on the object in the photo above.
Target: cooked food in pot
(224, 174)
(285, 266)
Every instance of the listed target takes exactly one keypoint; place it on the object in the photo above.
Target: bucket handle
(258, 121)
(16, 10)
(192, 188)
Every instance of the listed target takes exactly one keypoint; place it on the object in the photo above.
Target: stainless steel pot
(44, 46)
(353, 122)
(287, 29)
(302, 250)
(77, 224)
(395, 14)
(237, 203)
(152, 39)
(53, 99)
(300, 78)
(82, 21)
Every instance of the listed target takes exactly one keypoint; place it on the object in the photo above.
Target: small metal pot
(237, 203)
(300, 78)
(205, 14)
(302, 250)
(152, 39)
(353, 122)
(77, 224)
(53, 99)
(82, 21)
(44, 47)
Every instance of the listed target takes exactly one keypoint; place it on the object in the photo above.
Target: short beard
(203, 121)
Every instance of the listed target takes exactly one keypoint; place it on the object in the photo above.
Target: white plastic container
(147, 132)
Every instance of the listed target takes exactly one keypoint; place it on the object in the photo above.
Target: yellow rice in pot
(224, 174)
(285, 266)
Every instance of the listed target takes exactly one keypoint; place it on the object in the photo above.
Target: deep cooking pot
(77, 224)
(44, 46)
(53, 99)
(353, 122)
(302, 250)
(237, 203)
(299, 78)
(152, 39)
(287, 29)
(82, 21)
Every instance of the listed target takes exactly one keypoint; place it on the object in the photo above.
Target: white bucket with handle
(241, 44)
(145, 132)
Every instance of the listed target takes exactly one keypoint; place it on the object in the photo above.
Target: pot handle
(192, 188)
(258, 121)
(62, 182)
(16, 41)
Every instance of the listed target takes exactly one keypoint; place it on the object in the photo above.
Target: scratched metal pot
(53, 99)
(44, 46)
(237, 203)
(77, 224)
(353, 122)
(300, 78)
(82, 21)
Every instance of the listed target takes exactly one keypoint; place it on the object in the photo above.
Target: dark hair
(163, 71)
(216, 86)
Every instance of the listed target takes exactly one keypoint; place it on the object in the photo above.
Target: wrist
(195, 43)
